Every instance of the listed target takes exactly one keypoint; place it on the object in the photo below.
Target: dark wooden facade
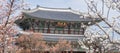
(53, 27)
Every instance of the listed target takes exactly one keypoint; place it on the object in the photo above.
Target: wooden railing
(60, 31)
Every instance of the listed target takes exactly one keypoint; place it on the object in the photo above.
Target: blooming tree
(107, 29)
(34, 42)
(61, 46)
(31, 42)
(8, 14)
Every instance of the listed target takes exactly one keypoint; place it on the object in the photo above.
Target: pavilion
(56, 23)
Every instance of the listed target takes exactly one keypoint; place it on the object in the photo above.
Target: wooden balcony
(60, 31)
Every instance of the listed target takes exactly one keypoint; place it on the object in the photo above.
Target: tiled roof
(57, 14)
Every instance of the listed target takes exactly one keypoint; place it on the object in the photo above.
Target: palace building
(57, 23)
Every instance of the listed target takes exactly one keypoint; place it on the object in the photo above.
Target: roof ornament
(29, 8)
(69, 8)
(38, 6)
(23, 8)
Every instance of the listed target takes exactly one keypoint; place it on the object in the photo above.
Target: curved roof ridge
(51, 9)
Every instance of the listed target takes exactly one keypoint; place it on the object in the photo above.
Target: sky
(78, 5)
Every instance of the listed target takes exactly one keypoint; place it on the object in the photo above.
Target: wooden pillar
(43, 30)
(31, 23)
(74, 31)
(54, 31)
(78, 31)
(63, 31)
(48, 30)
(69, 30)
(83, 31)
